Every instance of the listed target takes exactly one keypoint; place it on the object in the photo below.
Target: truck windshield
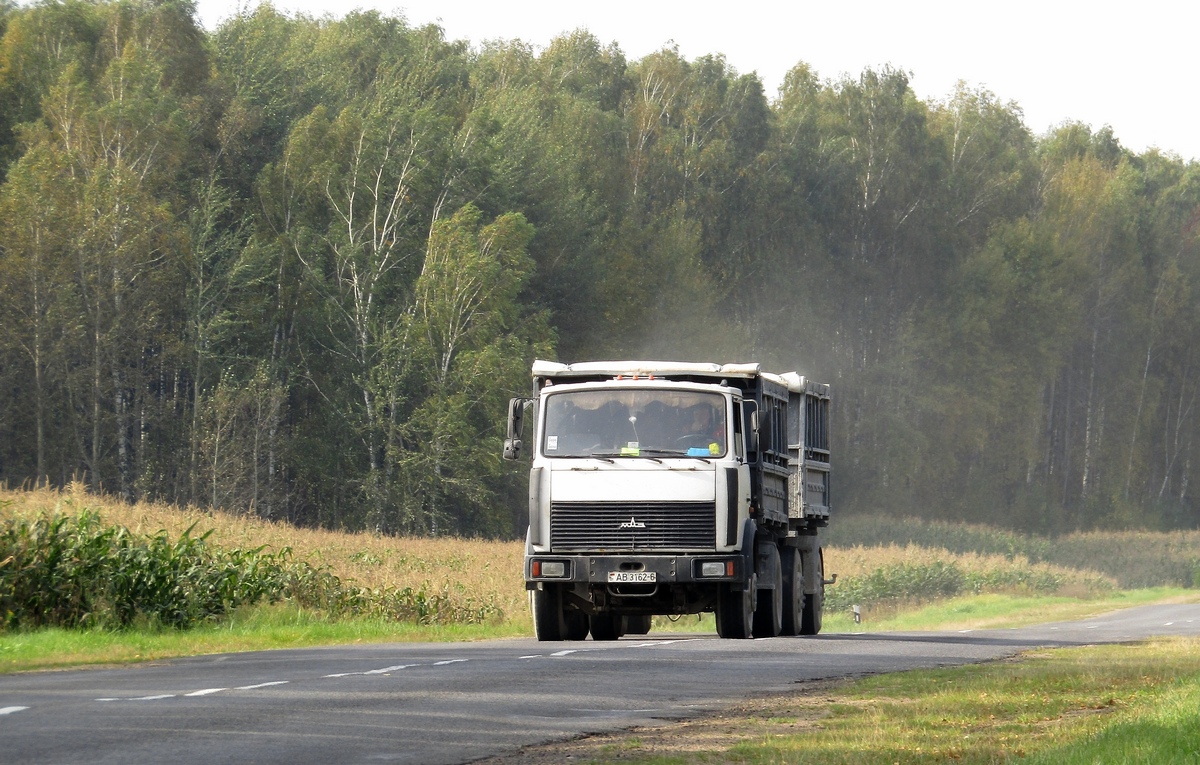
(635, 423)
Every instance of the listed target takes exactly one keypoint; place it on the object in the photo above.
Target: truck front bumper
(633, 569)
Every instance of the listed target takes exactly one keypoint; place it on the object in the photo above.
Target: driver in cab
(706, 432)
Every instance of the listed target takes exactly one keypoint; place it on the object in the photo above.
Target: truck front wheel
(552, 620)
(735, 612)
(548, 623)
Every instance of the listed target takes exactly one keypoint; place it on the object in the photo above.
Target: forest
(296, 267)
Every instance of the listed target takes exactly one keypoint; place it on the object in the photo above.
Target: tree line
(297, 266)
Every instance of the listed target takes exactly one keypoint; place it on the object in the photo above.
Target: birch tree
(32, 277)
(474, 339)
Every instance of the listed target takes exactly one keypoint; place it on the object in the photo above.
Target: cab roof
(664, 369)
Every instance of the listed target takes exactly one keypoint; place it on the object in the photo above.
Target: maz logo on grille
(632, 523)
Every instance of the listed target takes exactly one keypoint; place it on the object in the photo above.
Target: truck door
(738, 482)
(750, 473)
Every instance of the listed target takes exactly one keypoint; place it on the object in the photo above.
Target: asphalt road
(454, 703)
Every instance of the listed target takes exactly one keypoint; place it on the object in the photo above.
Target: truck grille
(608, 526)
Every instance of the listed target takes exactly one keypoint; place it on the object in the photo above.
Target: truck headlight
(548, 568)
(712, 568)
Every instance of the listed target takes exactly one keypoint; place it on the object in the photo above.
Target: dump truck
(673, 488)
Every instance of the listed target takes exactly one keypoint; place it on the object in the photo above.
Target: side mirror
(516, 422)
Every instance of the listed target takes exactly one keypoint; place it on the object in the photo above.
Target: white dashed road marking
(383, 671)
(396, 668)
(569, 651)
(10, 710)
(201, 692)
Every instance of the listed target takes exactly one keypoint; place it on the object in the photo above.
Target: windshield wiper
(640, 454)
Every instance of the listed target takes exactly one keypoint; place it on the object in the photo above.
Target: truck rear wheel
(793, 590)
(735, 612)
(576, 623)
(638, 624)
(768, 617)
(607, 626)
(814, 603)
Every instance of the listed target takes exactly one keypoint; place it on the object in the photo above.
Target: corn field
(1133, 559)
(74, 571)
(73, 559)
(910, 573)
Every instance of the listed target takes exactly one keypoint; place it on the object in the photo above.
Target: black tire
(638, 624)
(548, 623)
(576, 623)
(607, 626)
(793, 590)
(768, 617)
(814, 603)
(735, 613)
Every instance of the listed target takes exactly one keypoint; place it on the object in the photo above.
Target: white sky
(1131, 66)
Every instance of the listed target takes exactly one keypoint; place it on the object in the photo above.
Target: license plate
(623, 577)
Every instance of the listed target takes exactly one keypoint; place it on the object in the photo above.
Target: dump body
(669, 488)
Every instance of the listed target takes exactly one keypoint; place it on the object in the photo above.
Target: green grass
(1040, 708)
(1165, 732)
(1107, 704)
(998, 611)
(251, 628)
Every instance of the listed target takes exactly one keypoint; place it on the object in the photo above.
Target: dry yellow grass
(480, 568)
